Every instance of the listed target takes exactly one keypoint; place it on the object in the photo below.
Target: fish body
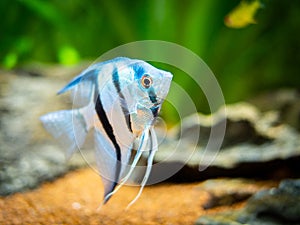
(243, 15)
(119, 99)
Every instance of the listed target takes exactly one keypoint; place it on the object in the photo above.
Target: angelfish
(120, 100)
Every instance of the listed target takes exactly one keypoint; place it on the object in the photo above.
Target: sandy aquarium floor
(74, 198)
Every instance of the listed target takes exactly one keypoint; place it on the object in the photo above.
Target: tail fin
(68, 127)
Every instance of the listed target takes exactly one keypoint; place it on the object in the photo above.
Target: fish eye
(146, 81)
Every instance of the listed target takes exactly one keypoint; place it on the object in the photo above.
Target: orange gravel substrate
(74, 198)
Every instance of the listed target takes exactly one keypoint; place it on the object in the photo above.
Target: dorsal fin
(85, 76)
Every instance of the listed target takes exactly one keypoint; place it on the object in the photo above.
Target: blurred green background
(245, 61)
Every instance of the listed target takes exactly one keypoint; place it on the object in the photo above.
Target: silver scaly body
(120, 99)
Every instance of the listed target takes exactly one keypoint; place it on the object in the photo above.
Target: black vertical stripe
(116, 81)
(110, 133)
(154, 110)
(153, 99)
(152, 96)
